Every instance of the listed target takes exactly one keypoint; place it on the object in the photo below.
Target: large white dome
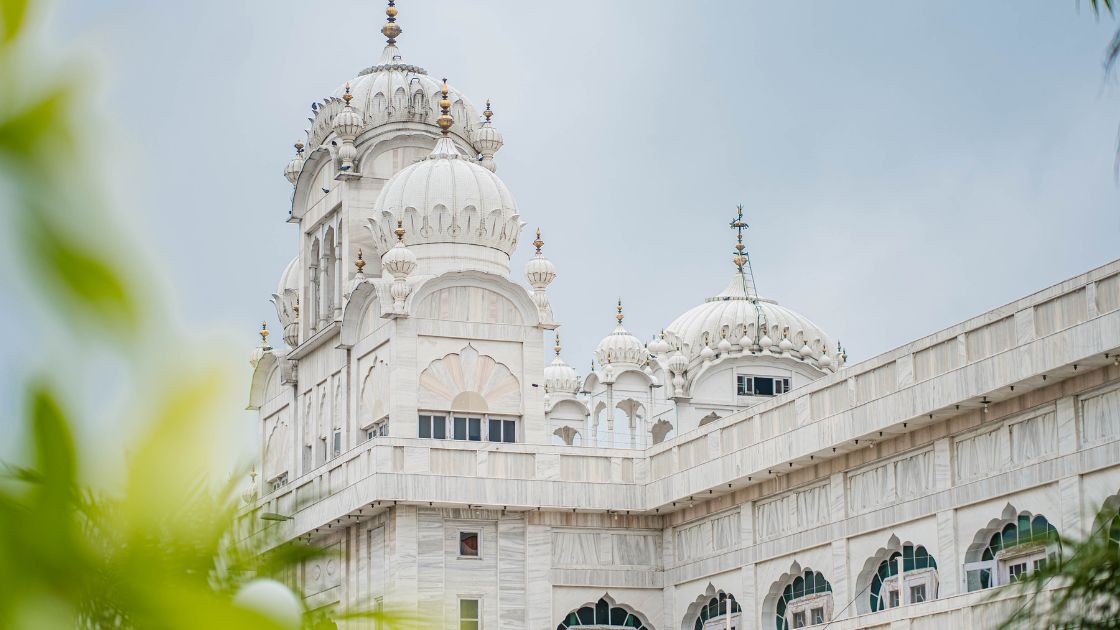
(453, 210)
(748, 324)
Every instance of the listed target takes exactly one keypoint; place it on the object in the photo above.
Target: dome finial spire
(489, 112)
(538, 243)
(619, 315)
(557, 346)
(264, 335)
(445, 120)
(400, 230)
(742, 258)
(391, 30)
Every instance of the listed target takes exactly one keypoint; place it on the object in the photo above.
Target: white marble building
(415, 429)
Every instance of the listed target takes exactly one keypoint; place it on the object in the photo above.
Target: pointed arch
(710, 609)
(1016, 543)
(879, 576)
(799, 595)
(605, 613)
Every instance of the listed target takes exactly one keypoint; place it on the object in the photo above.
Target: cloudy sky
(904, 165)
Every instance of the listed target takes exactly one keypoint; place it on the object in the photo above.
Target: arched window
(919, 577)
(713, 616)
(806, 601)
(601, 615)
(1020, 547)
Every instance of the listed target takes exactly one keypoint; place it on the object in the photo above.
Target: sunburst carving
(469, 381)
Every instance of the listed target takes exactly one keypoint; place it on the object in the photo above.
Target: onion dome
(559, 377)
(620, 346)
(348, 122)
(539, 271)
(295, 166)
(259, 351)
(707, 353)
(658, 347)
(392, 91)
(488, 140)
(678, 363)
(738, 312)
(286, 300)
(724, 346)
(458, 214)
(399, 261)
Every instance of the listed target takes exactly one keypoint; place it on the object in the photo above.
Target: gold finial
(391, 30)
(445, 120)
(296, 308)
(619, 316)
(399, 231)
(264, 334)
(557, 346)
(488, 113)
(360, 264)
(538, 243)
(347, 96)
(299, 148)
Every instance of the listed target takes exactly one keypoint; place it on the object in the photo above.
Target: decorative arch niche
(879, 576)
(604, 613)
(709, 611)
(798, 592)
(1010, 547)
(470, 381)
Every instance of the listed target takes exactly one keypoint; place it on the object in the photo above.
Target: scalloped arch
(473, 381)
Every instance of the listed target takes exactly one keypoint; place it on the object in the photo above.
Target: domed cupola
(458, 214)
(738, 322)
(620, 347)
(391, 91)
(286, 300)
(488, 140)
(560, 379)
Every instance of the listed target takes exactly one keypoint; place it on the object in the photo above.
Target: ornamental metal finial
(445, 120)
(391, 30)
(360, 264)
(488, 113)
(299, 148)
(538, 243)
(347, 96)
(399, 231)
(619, 316)
(264, 335)
(557, 346)
(738, 224)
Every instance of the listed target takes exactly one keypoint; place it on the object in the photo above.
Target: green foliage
(1080, 590)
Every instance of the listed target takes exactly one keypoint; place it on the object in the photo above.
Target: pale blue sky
(905, 165)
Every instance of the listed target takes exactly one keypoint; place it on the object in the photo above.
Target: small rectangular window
(799, 619)
(818, 615)
(468, 544)
(370, 434)
(425, 429)
(383, 428)
(337, 445)
(917, 593)
(439, 427)
(474, 429)
(744, 385)
(1038, 565)
(892, 601)
(763, 386)
(1015, 572)
(494, 431)
(469, 617)
(460, 429)
(509, 431)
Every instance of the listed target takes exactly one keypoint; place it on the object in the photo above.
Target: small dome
(399, 261)
(620, 346)
(295, 165)
(559, 377)
(449, 199)
(658, 346)
(739, 314)
(289, 280)
(539, 271)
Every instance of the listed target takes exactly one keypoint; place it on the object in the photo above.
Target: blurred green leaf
(12, 14)
(38, 127)
(78, 277)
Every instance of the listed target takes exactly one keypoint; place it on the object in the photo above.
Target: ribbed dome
(734, 317)
(620, 347)
(561, 378)
(290, 278)
(449, 199)
(393, 91)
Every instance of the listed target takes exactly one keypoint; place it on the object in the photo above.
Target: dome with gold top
(393, 90)
(457, 213)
